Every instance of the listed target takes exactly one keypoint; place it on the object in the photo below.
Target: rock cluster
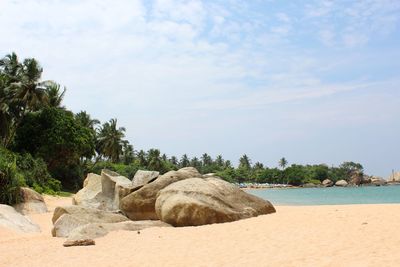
(185, 197)
(110, 202)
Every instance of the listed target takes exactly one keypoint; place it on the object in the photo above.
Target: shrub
(36, 174)
(10, 179)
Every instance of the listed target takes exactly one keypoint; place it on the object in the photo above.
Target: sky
(311, 81)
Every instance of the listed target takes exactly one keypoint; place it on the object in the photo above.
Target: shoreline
(280, 186)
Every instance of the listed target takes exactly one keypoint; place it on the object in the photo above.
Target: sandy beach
(350, 235)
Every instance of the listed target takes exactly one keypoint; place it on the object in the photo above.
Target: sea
(330, 195)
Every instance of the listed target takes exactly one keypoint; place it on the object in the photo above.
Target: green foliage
(54, 135)
(36, 175)
(10, 179)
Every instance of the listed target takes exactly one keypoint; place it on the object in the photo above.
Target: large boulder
(115, 187)
(394, 177)
(95, 230)
(65, 219)
(103, 192)
(139, 205)
(199, 201)
(89, 195)
(144, 177)
(378, 181)
(10, 218)
(327, 183)
(341, 183)
(31, 202)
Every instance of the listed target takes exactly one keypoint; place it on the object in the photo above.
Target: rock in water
(356, 178)
(139, 205)
(327, 183)
(198, 201)
(378, 181)
(31, 202)
(80, 242)
(341, 183)
(144, 177)
(10, 218)
(103, 192)
(95, 230)
(65, 219)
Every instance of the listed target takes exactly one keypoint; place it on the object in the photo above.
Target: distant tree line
(46, 146)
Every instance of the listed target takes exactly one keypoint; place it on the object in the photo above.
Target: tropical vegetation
(46, 146)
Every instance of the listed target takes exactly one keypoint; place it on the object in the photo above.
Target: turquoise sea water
(331, 195)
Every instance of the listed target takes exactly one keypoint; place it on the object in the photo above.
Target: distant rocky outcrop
(11, 219)
(356, 178)
(378, 181)
(327, 183)
(341, 183)
(198, 201)
(103, 192)
(140, 204)
(31, 202)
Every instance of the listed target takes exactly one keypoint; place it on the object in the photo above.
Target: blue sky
(314, 81)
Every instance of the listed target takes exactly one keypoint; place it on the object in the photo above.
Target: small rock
(80, 242)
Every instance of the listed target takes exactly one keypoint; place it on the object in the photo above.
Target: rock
(378, 181)
(197, 201)
(80, 242)
(356, 178)
(139, 205)
(144, 177)
(209, 175)
(89, 195)
(341, 183)
(366, 179)
(327, 183)
(31, 202)
(394, 177)
(103, 192)
(11, 219)
(95, 230)
(115, 187)
(65, 219)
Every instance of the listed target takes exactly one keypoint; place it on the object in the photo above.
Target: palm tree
(283, 163)
(110, 140)
(21, 92)
(127, 153)
(184, 161)
(85, 120)
(154, 160)
(141, 155)
(244, 162)
(54, 94)
(28, 90)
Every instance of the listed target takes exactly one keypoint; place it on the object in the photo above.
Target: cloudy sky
(313, 81)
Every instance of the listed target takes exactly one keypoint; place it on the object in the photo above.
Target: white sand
(352, 235)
